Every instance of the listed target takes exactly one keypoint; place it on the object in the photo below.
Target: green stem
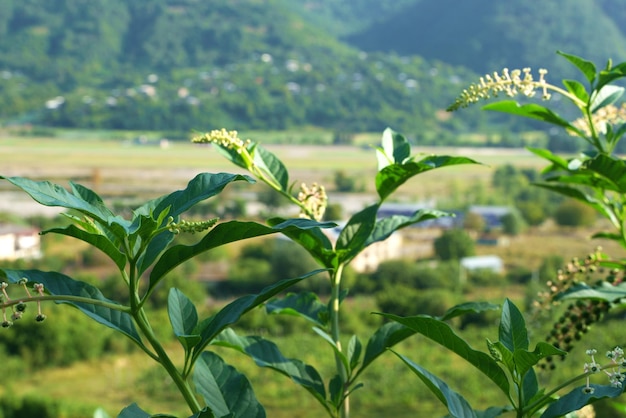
(139, 315)
(336, 333)
(70, 298)
(166, 362)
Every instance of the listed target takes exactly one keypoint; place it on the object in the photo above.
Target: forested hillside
(278, 64)
(487, 35)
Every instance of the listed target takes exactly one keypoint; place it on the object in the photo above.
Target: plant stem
(139, 315)
(336, 333)
(166, 362)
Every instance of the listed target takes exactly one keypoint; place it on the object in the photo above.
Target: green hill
(186, 64)
(488, 35)
(278, 64)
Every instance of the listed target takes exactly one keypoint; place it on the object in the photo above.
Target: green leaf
(273, 166)
(313, 240)
(99, 241)
(201, 187)
(58, 284)
(512, 330)
(133, 411)
(605, 291)
(530, 387)
(525, 360)
(494, 411)
(586, 67)
(455, 403)
(612, 169)
(354, 351)
(184, 318)
(608, 75)
(355, 234)
(224, 389)
(577, 89)
(383, 338)
(50, 194)
(386, 226)
(336, 390)
(556, 160)
(211, 327)
(576, 399)
(305, 305)
(222, 234)
(393, 176)
(607, 95)
(395, 149)
(441, 333)
(530, 110)
(582, 197)
(232, 155)
(266, 354)
(469, 307)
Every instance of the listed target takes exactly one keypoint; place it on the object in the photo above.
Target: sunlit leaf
(266, 354)
(224, 389)
(441, 333)
(455, 403)
(578, 398)
(512, 330)
(586, 67)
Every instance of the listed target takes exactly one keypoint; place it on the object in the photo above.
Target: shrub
(454, 244)
(403, 300)
(574, 213)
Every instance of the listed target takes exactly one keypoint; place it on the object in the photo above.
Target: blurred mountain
(279, 64)
(488, 35)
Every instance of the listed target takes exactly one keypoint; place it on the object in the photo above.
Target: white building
(18, 242)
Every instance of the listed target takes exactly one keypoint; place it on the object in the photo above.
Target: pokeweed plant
(509, 365)
(396, 166)
(596, 177)
(144, 251)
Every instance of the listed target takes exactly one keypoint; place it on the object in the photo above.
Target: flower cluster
(601, 119)
(191, 226)
(614, 370)
(18, 307)
(313, 201)
(227, 139)
(509, 83)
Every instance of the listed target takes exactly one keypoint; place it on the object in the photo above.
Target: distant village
(19, 242)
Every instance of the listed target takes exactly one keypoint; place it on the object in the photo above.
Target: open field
(121, 168)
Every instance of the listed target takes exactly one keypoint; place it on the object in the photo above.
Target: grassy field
(121, 167)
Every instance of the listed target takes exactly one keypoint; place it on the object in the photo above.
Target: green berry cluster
(191, 226)
(576, 317)
(18, 307)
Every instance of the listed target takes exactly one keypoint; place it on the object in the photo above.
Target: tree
(512, 223)
(474, 222)
(574, 213)
(454, 244)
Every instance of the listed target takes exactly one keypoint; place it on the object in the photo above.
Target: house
(483, 262)
(17, 242)
(369, 259)
(491, 214)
